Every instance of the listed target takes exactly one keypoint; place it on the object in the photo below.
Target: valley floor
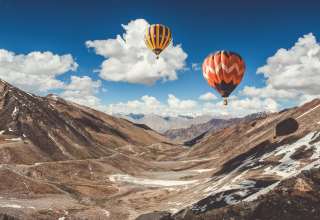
(59, 160)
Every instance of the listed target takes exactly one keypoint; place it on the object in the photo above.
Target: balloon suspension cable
(225, 101)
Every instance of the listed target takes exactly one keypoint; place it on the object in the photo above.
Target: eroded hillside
(60, 160)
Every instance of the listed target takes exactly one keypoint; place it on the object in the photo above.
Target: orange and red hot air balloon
(223, 71)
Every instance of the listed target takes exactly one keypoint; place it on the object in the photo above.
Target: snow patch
(173, 210)
(198, 160)
(106, 213)
(235, 188)
(15, 206)
(15, 112)
(61, 147)
(224, 183)
(202, 170)
(90, 169)
(13, 139)
(261, 192)
(230, 200)
(288, 166)
(148, 182)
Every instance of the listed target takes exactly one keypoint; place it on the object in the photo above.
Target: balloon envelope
(223, 71)
(157, 38)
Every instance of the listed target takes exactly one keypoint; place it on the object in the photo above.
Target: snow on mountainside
(164, 123)
(258, 170)
(60, 160)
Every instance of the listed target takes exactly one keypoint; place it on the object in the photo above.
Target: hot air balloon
(157, 38)
(223, 71)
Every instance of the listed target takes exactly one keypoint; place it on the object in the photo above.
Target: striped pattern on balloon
(223, 71)
(157, 38)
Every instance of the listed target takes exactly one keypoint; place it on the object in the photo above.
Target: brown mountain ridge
(60, 160)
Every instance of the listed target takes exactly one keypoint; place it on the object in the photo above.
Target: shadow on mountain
(7, 217)
(145, 127)
(286, 126)
(155, 216)
(194, 140)
(254, 153)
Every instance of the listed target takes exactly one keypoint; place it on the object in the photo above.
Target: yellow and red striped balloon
(157, 38)
(223, 71)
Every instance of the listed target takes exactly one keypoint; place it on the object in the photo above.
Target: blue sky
(254, 29)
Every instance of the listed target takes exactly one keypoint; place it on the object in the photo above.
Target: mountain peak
(57, 129)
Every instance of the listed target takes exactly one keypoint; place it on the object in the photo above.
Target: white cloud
(174, 106)
(252, 105)
(129, 60)
(292, 74)
(269, 92)
(207, 97)
(35, 71)
(83, 90)
(196, 66)
(151, 105)
(177, 104)
(239, 107)
(146, 104)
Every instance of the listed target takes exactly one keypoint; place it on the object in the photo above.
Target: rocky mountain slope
(37, 129)
(162, 123)
(266, 169)
(191, 134)
(63, 161)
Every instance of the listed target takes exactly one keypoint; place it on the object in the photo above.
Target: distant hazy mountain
(162, 123)
(195, 130)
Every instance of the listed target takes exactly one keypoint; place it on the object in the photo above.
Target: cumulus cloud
(239, 107)
(291, 74)
(252, 105)
(269, 92)
(175, 103)
(151, 105)
(175, 106)
(35, 71)
(207, 97)
(146, 104)
(127, 59)
(83, 90)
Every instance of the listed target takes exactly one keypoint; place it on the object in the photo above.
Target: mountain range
(196, 131)
(60, 160)
(162, 124)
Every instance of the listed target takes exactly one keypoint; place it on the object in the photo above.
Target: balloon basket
(225, 101)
